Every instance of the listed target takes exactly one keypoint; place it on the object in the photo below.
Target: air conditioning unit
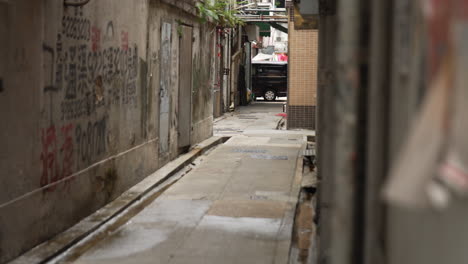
(308, 7)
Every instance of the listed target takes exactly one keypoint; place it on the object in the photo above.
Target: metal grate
(309, 152)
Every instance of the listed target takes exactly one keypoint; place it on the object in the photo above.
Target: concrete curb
(224, 116)
(293, 256)
(287, 227)
(59, 244)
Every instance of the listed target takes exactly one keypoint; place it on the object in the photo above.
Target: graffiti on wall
(93, 74)
(91, 80)
(57, 155)
(91, 140)
(94, 68)
(69, 146)
(76, 27)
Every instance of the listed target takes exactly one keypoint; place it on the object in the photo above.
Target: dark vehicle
(269, 79)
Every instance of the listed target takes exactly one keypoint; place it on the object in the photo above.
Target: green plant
(179, 27)
(219, 12)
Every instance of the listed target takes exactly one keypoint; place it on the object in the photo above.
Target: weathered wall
(79, 99)
(203, 65)
(203, 79)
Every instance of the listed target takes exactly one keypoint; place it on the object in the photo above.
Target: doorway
(185, 87)
(164, 89)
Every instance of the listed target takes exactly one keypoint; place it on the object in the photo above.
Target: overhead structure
(261, 12)
(263, 18)
(279, 27)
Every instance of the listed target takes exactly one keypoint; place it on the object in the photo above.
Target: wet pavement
(236, 206)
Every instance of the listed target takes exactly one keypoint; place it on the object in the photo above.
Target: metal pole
(345, 106)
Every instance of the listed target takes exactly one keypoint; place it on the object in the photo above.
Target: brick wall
(302, 84)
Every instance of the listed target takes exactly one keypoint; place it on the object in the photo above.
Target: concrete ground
(257, 118)
(236, 206)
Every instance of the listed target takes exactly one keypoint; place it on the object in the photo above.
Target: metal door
(248, 66)
(217, 89)
(164, 88)
(185, 87)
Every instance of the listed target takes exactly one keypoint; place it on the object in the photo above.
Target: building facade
(302, 71)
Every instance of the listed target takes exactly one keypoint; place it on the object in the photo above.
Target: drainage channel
(305, 229)
(113, 224)
(72, 243)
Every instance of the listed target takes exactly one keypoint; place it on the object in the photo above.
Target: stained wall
(79, 101)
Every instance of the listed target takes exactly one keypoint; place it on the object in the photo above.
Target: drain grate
(268, 157)
(249, 150)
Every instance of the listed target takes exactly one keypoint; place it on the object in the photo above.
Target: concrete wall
(79, 100)
(203, 79)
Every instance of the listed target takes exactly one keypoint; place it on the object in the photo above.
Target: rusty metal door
(164, 87)
(185, 87)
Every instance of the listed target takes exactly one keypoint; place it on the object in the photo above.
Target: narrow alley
(233, 131)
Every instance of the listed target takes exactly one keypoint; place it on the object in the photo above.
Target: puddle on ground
(128, 241)
(241, 225)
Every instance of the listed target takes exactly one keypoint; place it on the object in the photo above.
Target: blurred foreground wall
(392, 150)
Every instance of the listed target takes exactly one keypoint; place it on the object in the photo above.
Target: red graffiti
(95, 39)
(56, 166)
(124, 36)
(67, 150)
(48, 156)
